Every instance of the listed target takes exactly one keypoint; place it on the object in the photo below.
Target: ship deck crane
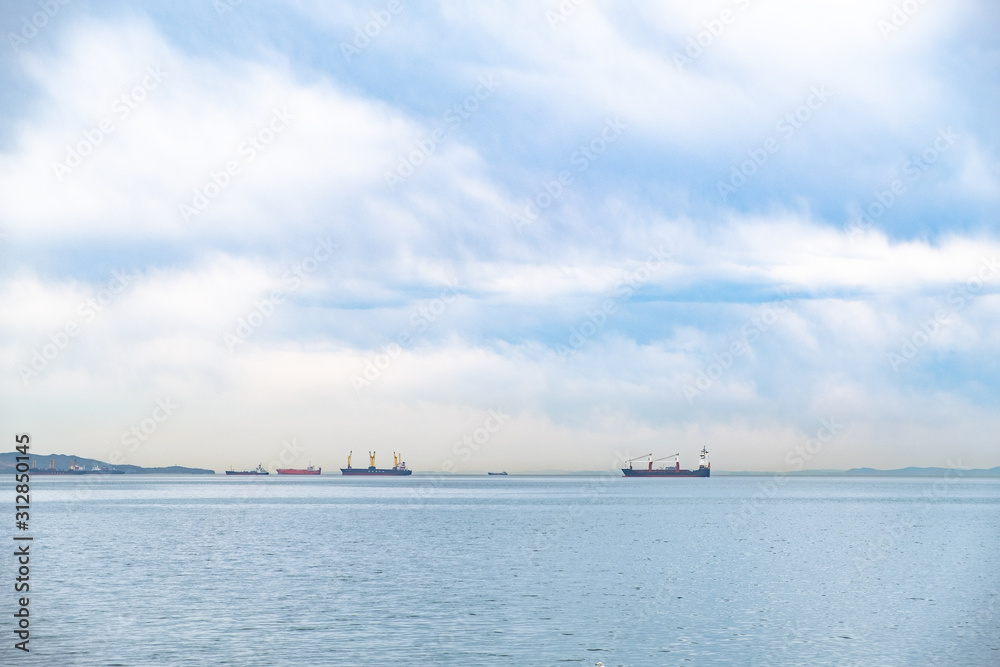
(636, 458)
(675, 457)
(651, 460)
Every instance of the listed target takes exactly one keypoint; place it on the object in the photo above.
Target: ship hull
(385, 472)
(298, 471)
(244, 472)
(669, 472)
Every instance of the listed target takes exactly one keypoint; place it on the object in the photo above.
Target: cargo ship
(398, 467)
(497, 473)
(308, 470)
(704, 467)
(259, 470)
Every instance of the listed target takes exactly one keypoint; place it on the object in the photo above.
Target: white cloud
(519, 295)
(321, 166)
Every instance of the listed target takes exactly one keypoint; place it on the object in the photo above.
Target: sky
(501, 236)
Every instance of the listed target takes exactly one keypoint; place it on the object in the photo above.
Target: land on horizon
(62, 461)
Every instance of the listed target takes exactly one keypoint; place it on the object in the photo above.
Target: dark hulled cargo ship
(258, 471)
(704, 467)
(398, 467)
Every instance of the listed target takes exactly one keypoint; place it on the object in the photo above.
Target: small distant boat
(398, 467)
(104, 470)
(497, 473)
(74, 469)
(308, 470)
(259, 470)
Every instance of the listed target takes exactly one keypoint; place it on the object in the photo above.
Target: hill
(62, 461)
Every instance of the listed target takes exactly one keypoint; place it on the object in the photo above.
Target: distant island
(43, 462)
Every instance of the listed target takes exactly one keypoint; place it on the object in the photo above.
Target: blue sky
(625, 227)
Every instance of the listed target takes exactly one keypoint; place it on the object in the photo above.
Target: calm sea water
(141, 570)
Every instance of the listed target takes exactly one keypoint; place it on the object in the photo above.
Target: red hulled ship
(308, 470)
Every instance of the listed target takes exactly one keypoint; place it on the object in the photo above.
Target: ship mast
(676, 457)
(349, 458)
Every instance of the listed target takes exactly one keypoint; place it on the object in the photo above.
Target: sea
(507, 571)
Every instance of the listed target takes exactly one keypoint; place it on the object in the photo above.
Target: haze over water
(514, 571)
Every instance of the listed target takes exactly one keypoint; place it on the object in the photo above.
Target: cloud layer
(624, 229)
